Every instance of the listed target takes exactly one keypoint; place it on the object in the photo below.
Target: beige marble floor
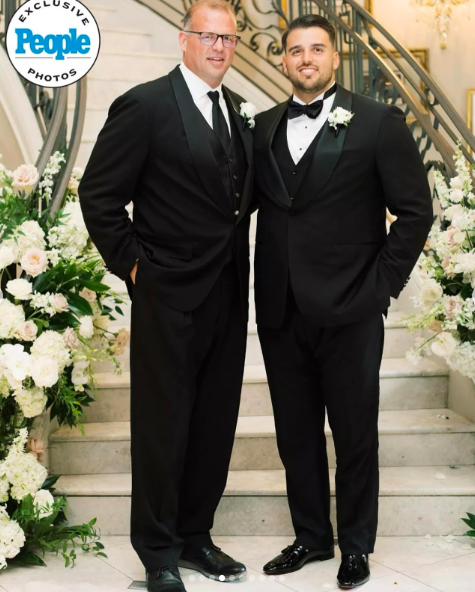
(402, 564)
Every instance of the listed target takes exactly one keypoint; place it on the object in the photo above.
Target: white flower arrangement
(447, 298)
(53, 324)
(248, 113)
(339, 117)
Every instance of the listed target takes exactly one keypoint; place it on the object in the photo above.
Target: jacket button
(235, 177)
(294, 173)
(238, 195)
(236, 213)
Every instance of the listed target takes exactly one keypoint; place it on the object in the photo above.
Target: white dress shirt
(199, 91)
(301, 131)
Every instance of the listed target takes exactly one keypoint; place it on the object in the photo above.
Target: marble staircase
(427, 451)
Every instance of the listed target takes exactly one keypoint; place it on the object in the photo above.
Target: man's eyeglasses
(210, 39)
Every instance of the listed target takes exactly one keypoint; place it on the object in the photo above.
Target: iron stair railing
(51, 115)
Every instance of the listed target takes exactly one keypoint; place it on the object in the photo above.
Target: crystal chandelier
(443, 14)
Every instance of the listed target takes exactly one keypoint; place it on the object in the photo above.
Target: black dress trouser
(186, 377)
(309, 369)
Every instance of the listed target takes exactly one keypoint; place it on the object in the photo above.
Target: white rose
(34, 261)
(121, 341)
(431, 291)
(73, 185)
(7, 256)
(71, 339)
(341, 116)
(44, 503)
(45, 371)
(86, 328)
(28, 331)
(248, 110)
(445, 345)
(60, 304)
(20, 289)
(25, 178)
(453, 306)
(88, 295)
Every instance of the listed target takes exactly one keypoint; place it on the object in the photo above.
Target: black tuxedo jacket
(330, 241)
(154, 150)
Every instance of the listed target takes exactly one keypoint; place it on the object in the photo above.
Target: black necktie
(312, 110)
(220, 126)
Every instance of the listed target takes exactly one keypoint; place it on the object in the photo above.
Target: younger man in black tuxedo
(325, 269)
(179, 149)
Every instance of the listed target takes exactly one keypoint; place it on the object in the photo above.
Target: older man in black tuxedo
(328, 164)
(179, 149)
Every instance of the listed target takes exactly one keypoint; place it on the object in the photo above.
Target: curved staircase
(427, 452)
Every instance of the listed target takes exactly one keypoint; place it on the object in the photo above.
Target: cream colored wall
(414, 26)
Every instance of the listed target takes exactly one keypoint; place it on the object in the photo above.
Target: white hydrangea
(43, 502)
(12, 318)
(45, 371)
(31, 401)
(21, 469)
(51, 344)
(12, 537)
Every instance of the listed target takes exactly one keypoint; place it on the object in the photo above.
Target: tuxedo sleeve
(407, 195)
(110, 180)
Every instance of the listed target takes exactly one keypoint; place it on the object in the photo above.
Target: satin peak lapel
(326, 155)
(201, 151)
(272, 174)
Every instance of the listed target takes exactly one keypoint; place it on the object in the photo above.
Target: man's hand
(133, 272)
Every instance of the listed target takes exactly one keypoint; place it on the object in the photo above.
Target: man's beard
(318, 86)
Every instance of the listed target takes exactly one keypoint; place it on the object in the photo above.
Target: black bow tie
(311, 110)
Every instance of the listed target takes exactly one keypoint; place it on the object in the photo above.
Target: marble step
(414, 501)
(140, 66)
(403, 386)
(407, 438)
(124, 39)
(397, 340)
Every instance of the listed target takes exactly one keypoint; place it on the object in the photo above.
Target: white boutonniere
(248, 113)
(339, 117)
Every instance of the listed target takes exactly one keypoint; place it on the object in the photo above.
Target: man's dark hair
(307, 21)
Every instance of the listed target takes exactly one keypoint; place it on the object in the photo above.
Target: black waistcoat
(232, 166)
(292, 174)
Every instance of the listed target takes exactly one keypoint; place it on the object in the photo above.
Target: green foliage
(470, 521)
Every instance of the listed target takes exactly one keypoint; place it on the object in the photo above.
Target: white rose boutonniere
(339, 117)
(248, 113)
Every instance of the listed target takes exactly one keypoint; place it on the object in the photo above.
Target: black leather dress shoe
(165, 579)
(213, 563)
(354, 571)
(293, 557)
